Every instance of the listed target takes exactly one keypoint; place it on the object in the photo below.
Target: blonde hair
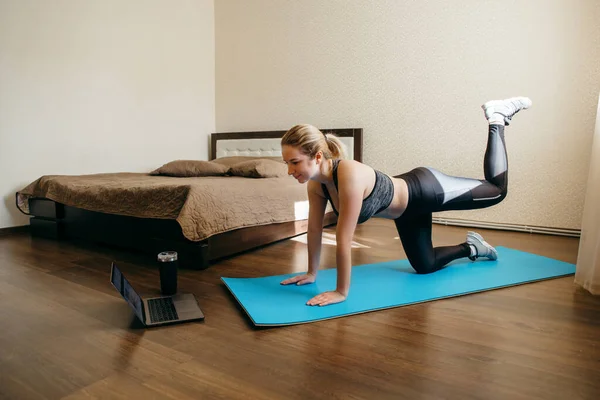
(311, 140)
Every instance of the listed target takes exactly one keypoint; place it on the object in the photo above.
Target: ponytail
(311, 140)
(337, 149)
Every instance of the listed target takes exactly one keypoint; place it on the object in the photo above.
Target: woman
(357, 192)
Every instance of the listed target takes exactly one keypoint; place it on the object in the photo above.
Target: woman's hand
(300, 279)
(326, 298)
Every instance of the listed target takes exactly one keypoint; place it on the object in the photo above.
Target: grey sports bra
(378, 200)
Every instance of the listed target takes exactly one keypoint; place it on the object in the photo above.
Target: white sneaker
(505, 109)
(482, 248)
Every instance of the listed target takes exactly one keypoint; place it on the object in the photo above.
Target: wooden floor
(66, 333)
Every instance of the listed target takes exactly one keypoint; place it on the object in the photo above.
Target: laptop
(158, 310)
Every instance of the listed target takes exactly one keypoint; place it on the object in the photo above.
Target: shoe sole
(486, 244)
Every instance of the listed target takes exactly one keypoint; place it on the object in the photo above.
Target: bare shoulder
(353, 171)
(314, 187)
(349, 166)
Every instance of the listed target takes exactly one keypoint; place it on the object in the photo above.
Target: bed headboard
(267, 143)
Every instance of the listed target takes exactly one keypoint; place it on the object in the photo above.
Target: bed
(147, 213)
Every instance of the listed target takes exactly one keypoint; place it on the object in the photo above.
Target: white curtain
(587, 273)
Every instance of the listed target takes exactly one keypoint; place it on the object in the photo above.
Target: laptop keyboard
(162, 310)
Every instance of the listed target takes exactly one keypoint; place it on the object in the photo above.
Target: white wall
(101, 86)
(413, 75)
(81, 81)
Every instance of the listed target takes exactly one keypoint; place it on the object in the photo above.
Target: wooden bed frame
(54, 220)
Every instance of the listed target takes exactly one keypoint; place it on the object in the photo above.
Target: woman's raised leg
(432, 190)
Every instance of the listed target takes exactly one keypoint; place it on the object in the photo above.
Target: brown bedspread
(203, 206)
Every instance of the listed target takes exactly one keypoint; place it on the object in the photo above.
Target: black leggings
(431, 191)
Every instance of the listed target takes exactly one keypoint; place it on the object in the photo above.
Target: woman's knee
(488, 195)
(423, 267)
(502, 185)
(502, 196)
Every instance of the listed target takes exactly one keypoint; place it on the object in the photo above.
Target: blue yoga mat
(385, 285)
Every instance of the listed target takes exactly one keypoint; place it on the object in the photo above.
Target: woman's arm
(316, 213)
(350, 193)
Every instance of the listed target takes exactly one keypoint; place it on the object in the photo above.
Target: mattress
(203, 206)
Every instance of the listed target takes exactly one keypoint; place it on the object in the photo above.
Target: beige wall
(101, 86)
(413, 75)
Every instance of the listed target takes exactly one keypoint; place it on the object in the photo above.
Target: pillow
(190, 168)
(259, 168)
(232, 160)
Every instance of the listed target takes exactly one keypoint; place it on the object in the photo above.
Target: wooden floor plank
(66, 333)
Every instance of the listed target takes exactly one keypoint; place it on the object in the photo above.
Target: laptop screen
(124, 287)
(117, 279)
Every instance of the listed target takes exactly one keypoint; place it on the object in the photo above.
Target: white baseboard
(507, 227)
